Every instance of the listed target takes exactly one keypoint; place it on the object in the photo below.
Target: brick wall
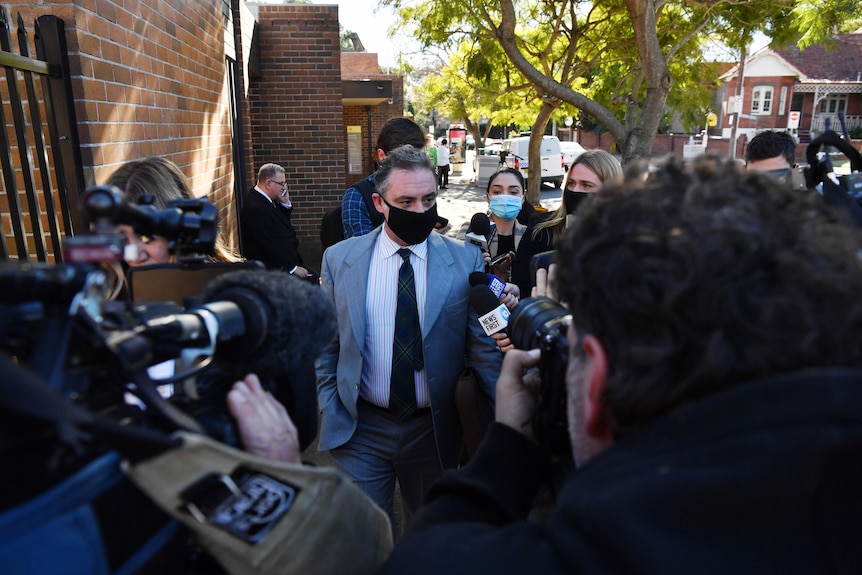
(371, 119)
(153, 83)
(775, 119)
(149, 78)
(296, 118)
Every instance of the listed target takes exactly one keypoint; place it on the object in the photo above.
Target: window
(761, 100)
(782, 101)
(833, 104)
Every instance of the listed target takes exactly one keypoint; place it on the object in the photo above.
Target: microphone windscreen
(483, 300)
(298, 319)
(478, 279)
(480, 224)
(297, 322)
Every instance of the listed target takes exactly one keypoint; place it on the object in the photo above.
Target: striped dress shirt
(380, 306)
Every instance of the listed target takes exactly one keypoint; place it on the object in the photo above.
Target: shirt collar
(262, 193)
(389, 248)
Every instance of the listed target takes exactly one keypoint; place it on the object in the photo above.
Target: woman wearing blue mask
(587, 174)
(505, 196)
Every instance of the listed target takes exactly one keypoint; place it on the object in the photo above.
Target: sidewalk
(462, 199)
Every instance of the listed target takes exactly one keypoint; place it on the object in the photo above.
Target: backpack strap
(367, 188)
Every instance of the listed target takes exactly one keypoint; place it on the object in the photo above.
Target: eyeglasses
(283, 184)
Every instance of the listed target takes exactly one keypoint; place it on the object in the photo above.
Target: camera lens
(535, 319)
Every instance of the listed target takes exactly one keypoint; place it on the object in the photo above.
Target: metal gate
(40, 155)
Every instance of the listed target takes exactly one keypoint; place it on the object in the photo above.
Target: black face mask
(573, 200)
(411, 227)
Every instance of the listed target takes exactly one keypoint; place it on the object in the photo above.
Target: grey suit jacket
(451, 330)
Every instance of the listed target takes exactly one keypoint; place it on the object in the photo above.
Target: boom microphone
(287, 321)
(495, 284)
(299, 322)
(493, 316)
(251, 321)
(479, 231)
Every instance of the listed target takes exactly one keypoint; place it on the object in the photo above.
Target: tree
(466, 89)
(616, 60)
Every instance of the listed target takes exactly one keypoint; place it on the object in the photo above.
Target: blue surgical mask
(505, 206)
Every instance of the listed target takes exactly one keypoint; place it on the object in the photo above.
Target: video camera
(844, 192)
(59, 322)
(541, 323)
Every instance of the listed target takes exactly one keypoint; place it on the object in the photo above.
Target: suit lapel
(357, 263)
(439, 280)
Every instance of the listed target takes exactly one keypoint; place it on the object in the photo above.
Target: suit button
(357, 387)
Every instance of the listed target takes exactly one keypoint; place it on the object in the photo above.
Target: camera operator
(774, 153)
(714, 396)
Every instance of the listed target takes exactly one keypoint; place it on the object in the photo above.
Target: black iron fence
(40, 154)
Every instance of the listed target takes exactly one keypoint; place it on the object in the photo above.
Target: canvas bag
(280, 518)
(259, 517)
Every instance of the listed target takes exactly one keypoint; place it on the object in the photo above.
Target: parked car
(571, 151)
(515, 154)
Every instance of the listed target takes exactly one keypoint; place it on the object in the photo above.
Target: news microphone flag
(493, 316)
(495, 284)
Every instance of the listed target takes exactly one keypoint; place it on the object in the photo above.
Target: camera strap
(24, 393)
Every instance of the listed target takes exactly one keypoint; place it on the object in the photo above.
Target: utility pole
(738, 101)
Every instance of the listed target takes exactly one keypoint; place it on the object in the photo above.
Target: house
(796, 90)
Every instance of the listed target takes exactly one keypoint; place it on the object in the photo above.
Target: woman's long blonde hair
(164, 182)
(604, 165)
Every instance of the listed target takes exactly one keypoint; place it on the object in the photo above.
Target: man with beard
(714, 395)
(386, 383)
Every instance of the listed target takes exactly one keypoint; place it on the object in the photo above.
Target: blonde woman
(164, 182)
(587, 174)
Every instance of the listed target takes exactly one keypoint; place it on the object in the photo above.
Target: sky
(372, 25)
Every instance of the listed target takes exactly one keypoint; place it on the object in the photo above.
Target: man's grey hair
(404, 157)
(267, 171)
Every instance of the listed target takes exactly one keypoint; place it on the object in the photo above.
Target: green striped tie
(407, 343)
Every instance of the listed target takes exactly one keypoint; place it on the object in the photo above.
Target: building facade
(800, 91)
(220, 87)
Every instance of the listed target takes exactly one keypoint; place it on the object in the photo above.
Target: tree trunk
(534, 173)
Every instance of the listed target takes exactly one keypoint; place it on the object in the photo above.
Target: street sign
(793, 120)
(711, 120)
(734, 105)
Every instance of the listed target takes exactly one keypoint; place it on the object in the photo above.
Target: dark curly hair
(701, 278)
(770, 144)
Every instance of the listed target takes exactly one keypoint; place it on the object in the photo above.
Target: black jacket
(762, 478)
(267, 233)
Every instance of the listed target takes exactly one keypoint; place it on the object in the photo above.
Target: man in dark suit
(265, 226)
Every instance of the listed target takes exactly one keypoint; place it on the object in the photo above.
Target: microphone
(286, 321)
(493, 316)
(480, 229)
(495, 284)
(300, 322)
(249, 321)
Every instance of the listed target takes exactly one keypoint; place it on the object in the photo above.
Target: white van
(515, 155)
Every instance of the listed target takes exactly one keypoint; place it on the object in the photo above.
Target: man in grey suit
(370, 439)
